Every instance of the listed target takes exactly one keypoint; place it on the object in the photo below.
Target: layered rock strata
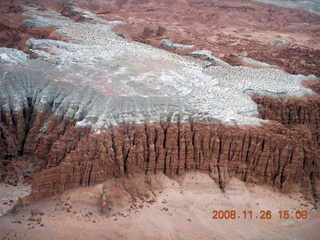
(100, 106)
(76, 156)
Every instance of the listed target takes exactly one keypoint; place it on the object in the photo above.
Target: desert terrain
(142, 119)
(163, 208)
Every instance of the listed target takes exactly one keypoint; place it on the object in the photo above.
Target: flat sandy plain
(162, 208)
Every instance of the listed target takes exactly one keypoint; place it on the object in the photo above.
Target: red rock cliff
(273, 154)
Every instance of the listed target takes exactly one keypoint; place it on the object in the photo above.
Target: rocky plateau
(81, 102)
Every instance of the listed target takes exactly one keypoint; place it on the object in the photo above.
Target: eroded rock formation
(89, 114)
(74, 156)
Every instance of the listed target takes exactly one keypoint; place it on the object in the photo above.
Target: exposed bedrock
(293, 112)
(99, 107)
(76, 156)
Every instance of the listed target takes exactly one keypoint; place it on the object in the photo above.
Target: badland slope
(96, 106)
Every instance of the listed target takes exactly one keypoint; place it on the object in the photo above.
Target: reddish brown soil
(283, 153)
(13, 33)
(228, 29)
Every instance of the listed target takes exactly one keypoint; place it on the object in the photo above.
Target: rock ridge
(77, 156)
(100, 107)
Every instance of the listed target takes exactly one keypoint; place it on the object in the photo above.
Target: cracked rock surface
(103, 80)
(99, 106)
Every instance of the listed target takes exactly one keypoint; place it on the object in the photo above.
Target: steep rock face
(291, 111)
(88, 114)
(301, 116)
(76, 156)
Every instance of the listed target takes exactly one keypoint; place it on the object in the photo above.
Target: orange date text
(262, 214)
